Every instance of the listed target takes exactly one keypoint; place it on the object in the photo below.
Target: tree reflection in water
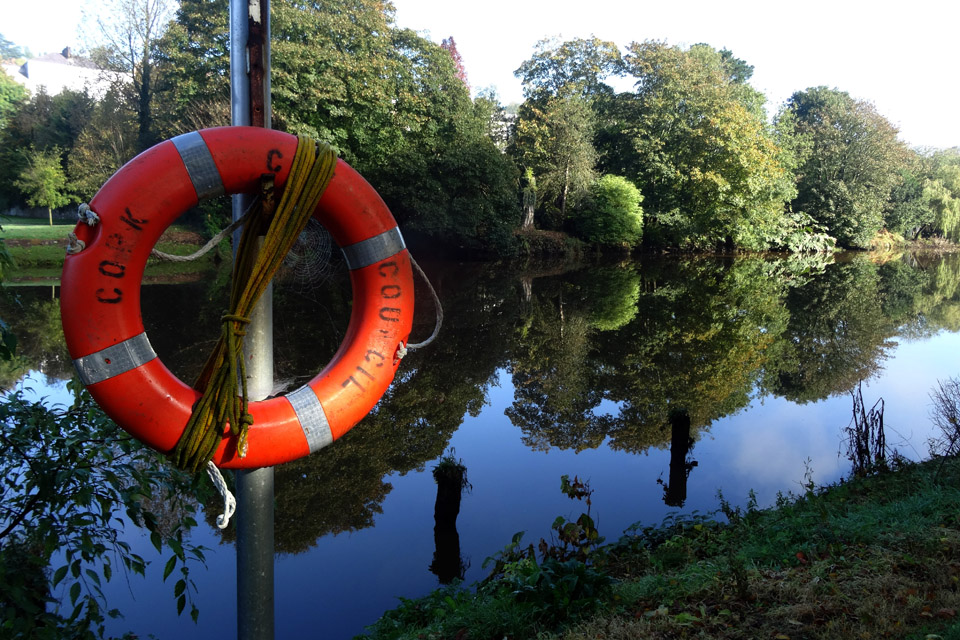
(600, 354)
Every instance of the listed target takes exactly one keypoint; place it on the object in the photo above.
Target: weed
(866, 440)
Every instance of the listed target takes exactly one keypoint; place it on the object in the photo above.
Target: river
(540, 372)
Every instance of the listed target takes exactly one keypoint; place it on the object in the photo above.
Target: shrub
(612, 214)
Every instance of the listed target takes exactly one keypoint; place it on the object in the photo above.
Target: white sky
(900, 57)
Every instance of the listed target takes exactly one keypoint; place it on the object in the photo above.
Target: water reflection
(675, 489)
(613, 353)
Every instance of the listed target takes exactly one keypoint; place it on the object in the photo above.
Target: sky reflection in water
(343, 582)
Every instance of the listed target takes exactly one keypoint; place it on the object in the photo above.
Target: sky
(899, 57)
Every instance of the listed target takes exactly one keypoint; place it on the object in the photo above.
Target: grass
(30, 229)
(35, 246)
(877, 557)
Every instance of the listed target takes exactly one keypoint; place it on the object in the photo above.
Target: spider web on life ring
(312, 260)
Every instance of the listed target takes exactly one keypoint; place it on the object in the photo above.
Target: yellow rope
(223, 408)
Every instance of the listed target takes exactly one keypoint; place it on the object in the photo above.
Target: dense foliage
(71, 482)
(612, 215)
(692, 136)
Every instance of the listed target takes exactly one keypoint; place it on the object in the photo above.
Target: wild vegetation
(711, 168)
(874, 557)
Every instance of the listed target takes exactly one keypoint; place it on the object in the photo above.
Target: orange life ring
(100, 296)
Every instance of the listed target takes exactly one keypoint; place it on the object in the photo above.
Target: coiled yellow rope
(223, 408)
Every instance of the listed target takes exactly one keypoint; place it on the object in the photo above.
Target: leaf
(59, 575)
(194, 613)
(168, 569)
(93, 576)
(180, 587)
(74, 593)
(155, 539)
(181, 603)
(177, 548)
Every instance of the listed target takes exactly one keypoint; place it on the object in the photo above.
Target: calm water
(542, 372)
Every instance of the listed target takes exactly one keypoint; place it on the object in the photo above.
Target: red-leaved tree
(450, 46)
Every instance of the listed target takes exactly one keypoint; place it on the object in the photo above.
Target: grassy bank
(878, 557)
(37, 248)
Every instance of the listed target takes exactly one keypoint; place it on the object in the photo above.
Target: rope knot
(74, 244)
(400, 354)
(88, 215)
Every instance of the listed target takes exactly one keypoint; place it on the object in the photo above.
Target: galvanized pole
(250, 106)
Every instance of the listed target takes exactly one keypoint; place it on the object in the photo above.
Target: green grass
(872, 558)
(34, 230)
(50, 256)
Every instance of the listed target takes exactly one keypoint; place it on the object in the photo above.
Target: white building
(58, 71)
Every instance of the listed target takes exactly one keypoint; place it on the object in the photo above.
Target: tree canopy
(692, 134)
(853, 163)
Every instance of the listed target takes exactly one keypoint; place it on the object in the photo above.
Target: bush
(612, 214)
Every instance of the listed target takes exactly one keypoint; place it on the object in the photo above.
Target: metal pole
(250, 66)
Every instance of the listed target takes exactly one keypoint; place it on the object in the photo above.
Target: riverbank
(876, 557)
(38, 249)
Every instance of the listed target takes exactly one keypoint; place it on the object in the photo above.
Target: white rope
(402, 349)
(74, 244)
(214, 241)
(88, 215)
(229, 502)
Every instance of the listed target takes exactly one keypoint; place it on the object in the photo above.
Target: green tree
(43, 182)
(336, 72)
(12, 96)
(193, 57)
(129, 31)
(854, 163)
(612, 214)
(694, 139)
(69, 474)
(389, 100)
(44, 122)
(556, 123)
(105, 144)
(555, 139)
(8, 50)
(579, 67)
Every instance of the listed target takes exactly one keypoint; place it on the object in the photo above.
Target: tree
(612, 214)
(106, 143)
(44, 122)
(337, 71)
(12, 96)
(387, 99)
(575, 67)
(129, 31)
(43, 182)
(193, 57)
(854, 163)
(8, 50)
(69, 476)
(555, 139)
(450, 46)
(694, 139)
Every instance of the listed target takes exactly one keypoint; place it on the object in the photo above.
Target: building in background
(58, 71)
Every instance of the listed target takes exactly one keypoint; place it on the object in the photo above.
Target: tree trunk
(50, 215)
(144, 117)
(528, 217)
(563, 195)
(529, 204)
